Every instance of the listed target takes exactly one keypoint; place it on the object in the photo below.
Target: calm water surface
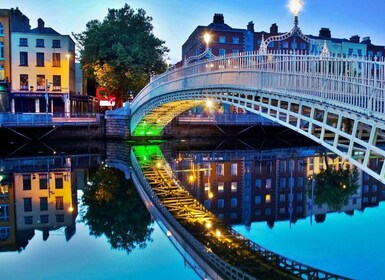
(349, 243)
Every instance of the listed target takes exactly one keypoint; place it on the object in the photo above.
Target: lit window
(40, 83)
(23, 82)
(1, 50)
(221, 187)
(234, 169)
(220, 169)
(268, 183)
(268, 198)
(234, 186)
(57, 87)
(207, 187)
(56, 60)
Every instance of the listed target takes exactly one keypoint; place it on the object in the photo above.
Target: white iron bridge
(337, 102)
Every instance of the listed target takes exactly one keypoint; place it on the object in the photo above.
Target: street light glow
(209, 103)
(295, 7)
(207, 38)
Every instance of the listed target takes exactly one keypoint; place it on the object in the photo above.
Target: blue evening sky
(175, 20)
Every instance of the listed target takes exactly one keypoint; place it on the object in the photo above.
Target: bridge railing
(357, 83)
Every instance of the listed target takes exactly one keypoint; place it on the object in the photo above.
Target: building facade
(43, 70)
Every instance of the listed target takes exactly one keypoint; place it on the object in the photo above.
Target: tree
(121, 52)
(115, 209)
(334, 187)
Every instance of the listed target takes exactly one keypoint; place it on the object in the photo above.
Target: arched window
(1, 29)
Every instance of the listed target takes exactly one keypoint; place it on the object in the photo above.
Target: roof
(45, 30)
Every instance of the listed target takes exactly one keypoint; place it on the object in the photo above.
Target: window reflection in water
(243, 186)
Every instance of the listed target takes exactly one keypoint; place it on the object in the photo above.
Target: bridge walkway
(219, 238)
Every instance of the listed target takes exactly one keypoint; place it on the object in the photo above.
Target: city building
(43, 70)
(10, 21)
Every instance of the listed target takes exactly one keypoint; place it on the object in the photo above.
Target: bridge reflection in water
(222, 252)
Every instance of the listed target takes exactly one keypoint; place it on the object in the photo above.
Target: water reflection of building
(245, 186)
(40, 193)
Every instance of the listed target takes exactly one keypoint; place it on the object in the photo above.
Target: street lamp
(295, 8)
(68, 101)
(168, 62)
(207, 38)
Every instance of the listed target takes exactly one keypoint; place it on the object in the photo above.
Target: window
(299, 209)
(267, 211)
(56, 83)
(282, 210)
(374, 199)
(4, 191)
(40, 82)
(60, 218)
(40, 59)
(235, 52)
(302, 46)
(258, 183)
(291, 182)
(44, 219)
(299, 196)
(28, 220)
(282, 183)
(23, 82)
(27, 204)
(234, 169)
(1, 50)
(234, 186)
(359, 52)
(56, 60)
(235, 40)
(23, 59)
(23, 42)
(233, 216)
(257, 212)
(374, 188)
(370, 53)
(26, 182)
(59, 203)
(2, 72)
(221, 187)
(269, 167)
(268, 198)
(282, 198)
(366, 188)
(4, 212)
(257, 199)
(1, 29)
(40, 43)
(43, 181)
(379, 54)
(268, 183)
(285, 44)
(283, 165)
(294, 45)
(300, 165)
(221, 203)
(43, 203)
(58, 179)
(222, 39)
(234, 202)
(221, 169)
(258, 167)
(222, 52)
(350, 51)
(207, 204)
(207, 187)
(56, 43)
(207, 169)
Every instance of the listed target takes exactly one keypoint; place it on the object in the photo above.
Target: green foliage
(115, 209)
(334, 187)
(121, 52)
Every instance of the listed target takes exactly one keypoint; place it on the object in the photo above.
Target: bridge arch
(337, 102)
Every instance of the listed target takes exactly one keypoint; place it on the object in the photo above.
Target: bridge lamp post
(67, 100)
(295, 8)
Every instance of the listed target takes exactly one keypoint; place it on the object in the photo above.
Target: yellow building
(43, 71)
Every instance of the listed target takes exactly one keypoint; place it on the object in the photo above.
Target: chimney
(325, 33)
(366, 40)
(40, 24)
(274, 29)
(250, 26)
(219, 19)
(355, 39)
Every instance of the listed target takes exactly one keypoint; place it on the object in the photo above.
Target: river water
(55, 222)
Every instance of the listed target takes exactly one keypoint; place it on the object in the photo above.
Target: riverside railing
(354, 83)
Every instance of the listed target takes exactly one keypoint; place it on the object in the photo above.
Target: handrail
(356, 83)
